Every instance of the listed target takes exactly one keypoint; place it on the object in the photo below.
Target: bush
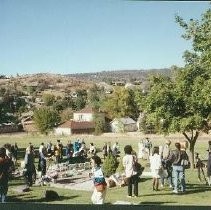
(110, 165)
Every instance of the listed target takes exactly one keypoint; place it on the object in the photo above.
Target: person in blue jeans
(176, 158)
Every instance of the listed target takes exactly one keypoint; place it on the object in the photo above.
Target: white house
(85, 114)
(74, 127)
(63, 129)
(125, 124)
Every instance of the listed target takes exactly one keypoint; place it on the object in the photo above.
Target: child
(155, 166)
(98, 196)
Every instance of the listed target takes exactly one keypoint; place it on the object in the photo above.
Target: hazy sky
(74, 36)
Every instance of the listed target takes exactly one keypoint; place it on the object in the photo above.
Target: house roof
(125, 120)
(87, 110)
(77, 125)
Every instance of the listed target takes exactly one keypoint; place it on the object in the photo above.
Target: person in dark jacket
(5, 165)
(176, 158)
(29, 166)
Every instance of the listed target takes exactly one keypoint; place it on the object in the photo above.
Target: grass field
(197, 193)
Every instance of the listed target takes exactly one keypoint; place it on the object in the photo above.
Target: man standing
(29, 166)
(176, 157)
(167, 164)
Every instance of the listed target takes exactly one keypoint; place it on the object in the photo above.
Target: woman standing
(155, 166)
(131, 175)
(98, 196)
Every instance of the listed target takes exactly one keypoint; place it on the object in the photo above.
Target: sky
(81, 36)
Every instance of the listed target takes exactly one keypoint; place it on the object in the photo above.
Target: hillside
(120, 75)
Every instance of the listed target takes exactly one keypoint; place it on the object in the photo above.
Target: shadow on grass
(144, 179)
(69, 180)
(154, 203)
(197, 188)
(34, 199)
(191, 189)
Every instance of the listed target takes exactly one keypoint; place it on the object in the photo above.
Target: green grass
(197, 193)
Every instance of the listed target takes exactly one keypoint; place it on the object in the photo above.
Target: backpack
(137, 167)
(184, 160)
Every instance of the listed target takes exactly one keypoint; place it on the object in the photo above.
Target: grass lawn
(197, 193)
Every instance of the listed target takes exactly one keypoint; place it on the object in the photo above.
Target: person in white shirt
(130, 173)
(155, 166)
(141, 149)
(115, 149)
(92, 149)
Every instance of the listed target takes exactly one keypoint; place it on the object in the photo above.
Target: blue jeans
(179, 178)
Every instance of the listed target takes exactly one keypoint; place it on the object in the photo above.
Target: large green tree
(183, 103)
(121, 103)
(45, 119)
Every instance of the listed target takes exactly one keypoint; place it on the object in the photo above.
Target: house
(29, 125)
(74, 127)
(8, 127)
(86, 114)
(125, 124)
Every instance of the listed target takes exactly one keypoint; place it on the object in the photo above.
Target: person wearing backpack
(176, 157)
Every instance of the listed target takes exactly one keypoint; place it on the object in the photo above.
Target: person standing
(156, 167)
(5, 164)
(176, 157)
(99, 193)
(29, 166)
(131, 175)
(141, 149)
(148, 147)
(43, 161)
(92, 149)
(60, 148)
(209, 164)
(165, 153)
(105, 153)
(199, 166)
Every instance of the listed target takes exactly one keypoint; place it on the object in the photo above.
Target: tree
(66, 114)
(183, 103)
(99, 123)
(95, 96)
(45, 119)
(121, 103)
(80, 101)
(48, 99)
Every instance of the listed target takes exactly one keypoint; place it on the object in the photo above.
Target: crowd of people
(167, 165)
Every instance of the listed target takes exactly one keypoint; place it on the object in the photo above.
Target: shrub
(110, 165)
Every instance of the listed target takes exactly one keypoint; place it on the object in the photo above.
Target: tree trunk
(192, 144)
(192, 141)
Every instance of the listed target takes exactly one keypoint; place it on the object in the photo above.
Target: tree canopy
(183, 103)
(45, 119)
